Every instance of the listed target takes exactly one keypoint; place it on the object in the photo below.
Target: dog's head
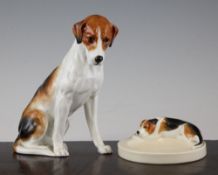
(96, 33)
(146, 128)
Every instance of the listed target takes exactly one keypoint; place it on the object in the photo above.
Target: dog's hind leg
(32, 131)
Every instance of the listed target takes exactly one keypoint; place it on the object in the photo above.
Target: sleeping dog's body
(170, 127)
(74, 83)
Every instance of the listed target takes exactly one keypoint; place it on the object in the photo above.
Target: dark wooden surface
(84, 160)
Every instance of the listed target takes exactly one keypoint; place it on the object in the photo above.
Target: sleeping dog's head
(96, 33)
(147, 127)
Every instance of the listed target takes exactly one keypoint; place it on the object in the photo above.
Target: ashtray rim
(161, 157)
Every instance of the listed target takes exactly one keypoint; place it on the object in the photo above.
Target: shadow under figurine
(74, 83)
(170, 128)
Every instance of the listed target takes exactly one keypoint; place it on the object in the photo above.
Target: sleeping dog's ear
(150, 127)
(115, 31)
(78, 30)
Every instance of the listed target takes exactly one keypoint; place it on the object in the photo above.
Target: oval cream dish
(160, 151)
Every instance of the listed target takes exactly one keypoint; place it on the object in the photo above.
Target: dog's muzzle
(98, 59)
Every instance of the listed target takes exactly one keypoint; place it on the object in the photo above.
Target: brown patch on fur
(150, 127)
(87, 30)
(44, 92)
(188, 131)
(163, 126)
(46, 89)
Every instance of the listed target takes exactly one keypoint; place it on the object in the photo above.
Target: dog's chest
(83, 87)
(87, 85)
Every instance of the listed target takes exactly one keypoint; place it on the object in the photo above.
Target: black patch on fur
(153, 121)
(26, 127)
(197, 132)
(173, 123)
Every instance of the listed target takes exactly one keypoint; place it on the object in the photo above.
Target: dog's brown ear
(115, 31)
(150, 127)
(78, 30)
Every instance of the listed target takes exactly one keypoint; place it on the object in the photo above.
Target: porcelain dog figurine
(170, 127)
(72, 84)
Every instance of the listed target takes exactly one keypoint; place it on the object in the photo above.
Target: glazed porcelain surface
(160, 150)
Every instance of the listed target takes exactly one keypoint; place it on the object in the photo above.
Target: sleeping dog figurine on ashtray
(170, 128)
(164, 140)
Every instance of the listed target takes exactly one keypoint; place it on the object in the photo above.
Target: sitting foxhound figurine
(74, 83)
(170, 128)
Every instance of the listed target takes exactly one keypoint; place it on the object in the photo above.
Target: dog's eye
(105, 40)
(91, 39)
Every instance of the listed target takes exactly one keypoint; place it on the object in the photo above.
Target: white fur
(77, 84)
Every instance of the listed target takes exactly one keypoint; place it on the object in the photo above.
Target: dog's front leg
(91, 118)
(61, 112)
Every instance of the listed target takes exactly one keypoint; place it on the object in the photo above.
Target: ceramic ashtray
(164, 141)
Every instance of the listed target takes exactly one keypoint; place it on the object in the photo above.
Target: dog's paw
(105, 149)
(61, 150)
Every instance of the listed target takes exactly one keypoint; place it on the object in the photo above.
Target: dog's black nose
(98, 59)
(137, 132)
